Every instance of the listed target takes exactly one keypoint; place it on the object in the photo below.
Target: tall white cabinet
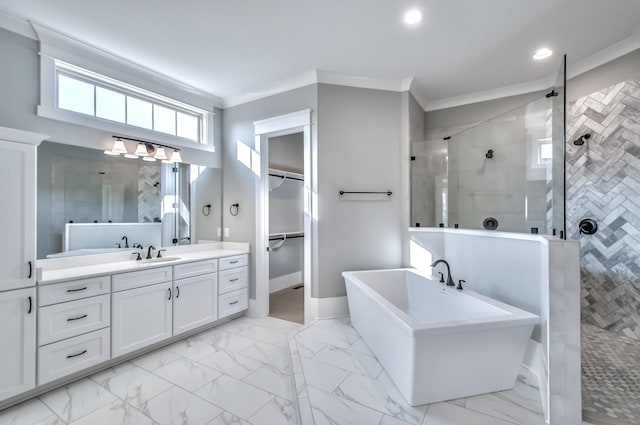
(17, 261)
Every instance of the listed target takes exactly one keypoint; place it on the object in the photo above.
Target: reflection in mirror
(496, 175)
(89, 202)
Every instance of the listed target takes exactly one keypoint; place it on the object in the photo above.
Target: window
(88, 93)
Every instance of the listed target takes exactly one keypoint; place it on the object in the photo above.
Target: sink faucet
(149, 252)
(126, 241)
(449, 279)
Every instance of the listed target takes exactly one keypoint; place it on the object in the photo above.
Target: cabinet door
(18, 347)
(18, 248)
(140, 317)
(195, 302)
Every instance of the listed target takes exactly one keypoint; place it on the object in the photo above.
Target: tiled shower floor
(610, 377)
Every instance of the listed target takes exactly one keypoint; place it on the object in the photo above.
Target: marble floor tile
(337, 338)
(155, 359)
(277, 411)
(232, 364)
(271, 379)
(329, 409)
(308, 347)
(350, 361)
(135, 385)
(450, 414)
(104, 375)
(322, 376)
(192, 348)
(222, 340)
(117, 413)
(234, 396)
(341, 325)
(388, 420)
(226, 418)
(525, 413)
(31, 412)
(178, 407)
(380, 396)
(269, 354)
(360, 347)
(78, 399)
(187, 374)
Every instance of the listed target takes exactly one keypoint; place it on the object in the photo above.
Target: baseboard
(283, 282)
(329, 308)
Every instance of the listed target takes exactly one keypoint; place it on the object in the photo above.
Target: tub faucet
(126, 241)
(449, 279)
(149, 252)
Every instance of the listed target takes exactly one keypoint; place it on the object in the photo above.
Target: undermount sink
(160, 260)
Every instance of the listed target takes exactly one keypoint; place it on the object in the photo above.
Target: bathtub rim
(516, 317)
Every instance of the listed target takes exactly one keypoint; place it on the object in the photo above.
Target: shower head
(489, 154)
(580, 140)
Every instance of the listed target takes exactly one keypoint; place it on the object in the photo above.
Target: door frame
(282, 125)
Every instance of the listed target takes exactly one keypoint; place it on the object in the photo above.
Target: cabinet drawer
(233, 302)
(124, 281)
(232, 280)
(73, 290)
(71, 355)
(197, 268)
(66, 320)
(232, 262)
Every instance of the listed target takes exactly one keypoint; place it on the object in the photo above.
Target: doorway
(284, 222)
(286, 227)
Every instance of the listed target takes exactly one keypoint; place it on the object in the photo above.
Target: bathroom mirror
(89, 202)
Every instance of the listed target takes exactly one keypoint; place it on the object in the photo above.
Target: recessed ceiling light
(542, 53)
(413, 17)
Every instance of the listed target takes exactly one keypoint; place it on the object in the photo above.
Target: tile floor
(339, 381)
(610, 377)
(237, 373)
(240, 373)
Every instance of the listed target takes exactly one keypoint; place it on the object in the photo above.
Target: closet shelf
(286, 175)
(285, 235)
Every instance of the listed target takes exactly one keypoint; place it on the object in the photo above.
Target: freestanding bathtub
(435, 342)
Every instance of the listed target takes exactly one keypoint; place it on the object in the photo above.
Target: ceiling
(231, 48)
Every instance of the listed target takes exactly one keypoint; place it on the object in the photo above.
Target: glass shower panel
(556, 180)
(429, 197)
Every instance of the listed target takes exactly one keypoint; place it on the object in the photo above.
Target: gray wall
(358, 150)
(238, 181)
(19, 85)
(287, 153)
(208, 188)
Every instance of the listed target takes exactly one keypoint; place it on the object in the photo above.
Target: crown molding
(281, 86)
(20, 26)
(605, 55)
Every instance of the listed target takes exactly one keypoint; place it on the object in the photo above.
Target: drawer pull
(70, 356)
(71, 319)
(235, 302)
(30, 306)
(177, 292)
(84, 288)
(233, 280)
(233, 262)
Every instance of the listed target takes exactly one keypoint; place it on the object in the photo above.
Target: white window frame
(55, 46)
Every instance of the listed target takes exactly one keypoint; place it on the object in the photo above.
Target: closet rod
(387, 192)
(280, 238)
(286, 177)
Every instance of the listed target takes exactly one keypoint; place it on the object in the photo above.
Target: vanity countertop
(109, 268)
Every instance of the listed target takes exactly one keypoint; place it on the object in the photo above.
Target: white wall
(358, 150)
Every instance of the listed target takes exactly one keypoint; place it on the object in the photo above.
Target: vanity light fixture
(413, 17)
(542, 53)
(149, 151)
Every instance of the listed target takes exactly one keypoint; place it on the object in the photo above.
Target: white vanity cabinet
(196, 295)
(18, 341)
(142, 309)
(18, 250)
(233, 279)
(74, 319)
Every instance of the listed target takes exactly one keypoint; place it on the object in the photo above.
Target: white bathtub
(435, 342)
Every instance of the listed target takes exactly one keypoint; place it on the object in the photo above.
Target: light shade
(119, 147)
(148, 158)
(130, 156)
(141, 150)
(111, 153)
(176, 157)
(160, 154)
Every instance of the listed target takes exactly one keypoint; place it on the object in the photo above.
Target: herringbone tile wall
(148, 193)
(603, 183)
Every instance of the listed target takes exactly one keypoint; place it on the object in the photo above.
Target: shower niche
(504, 174)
